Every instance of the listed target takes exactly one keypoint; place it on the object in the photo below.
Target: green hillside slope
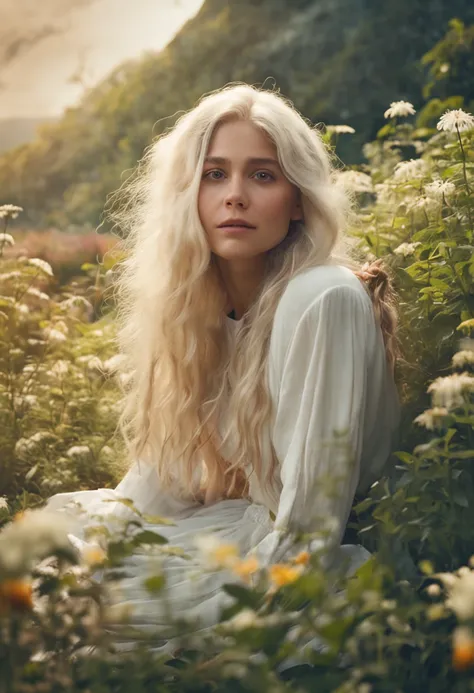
(338, 60)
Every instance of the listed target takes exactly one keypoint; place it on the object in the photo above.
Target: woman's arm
(320, 389)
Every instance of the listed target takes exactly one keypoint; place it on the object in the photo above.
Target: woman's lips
(237, 229)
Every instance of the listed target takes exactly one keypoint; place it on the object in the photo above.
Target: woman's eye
(209, 174)
(265, 173)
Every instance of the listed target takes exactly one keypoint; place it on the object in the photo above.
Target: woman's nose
(235, 193)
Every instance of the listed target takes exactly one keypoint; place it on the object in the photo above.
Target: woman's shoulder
(306, 287)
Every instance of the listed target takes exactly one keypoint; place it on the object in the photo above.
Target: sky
(52, 49)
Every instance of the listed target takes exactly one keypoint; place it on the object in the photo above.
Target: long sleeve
(320, 386)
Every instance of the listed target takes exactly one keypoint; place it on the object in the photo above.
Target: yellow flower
(215, 554)
(302, 558)
(93, 555)
(283, 574)
(16, 594)
(246, 568)
(463, 649)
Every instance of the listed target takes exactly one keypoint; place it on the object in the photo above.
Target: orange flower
(246, 568)
(302, 558)
(16, 594)
(283, 574)
(463, 649)
(17, 516)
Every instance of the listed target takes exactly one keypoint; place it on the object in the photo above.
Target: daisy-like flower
(93, 555)
(399, 108)
(430, 418)
(440, 188)
(461, 596)
(454, 120)
(409, 170)
(450, 391)
(33, 291)
(79, 451)
(6, 239)
(112, 364)
(10, 211)
(3, 503)
(53, 335)
(60, 367)
(433, 590)
(247, 618)
(340, 129)
(42, 265)
(406, 249)
(461, 358)
(34, 535)
(216, 554)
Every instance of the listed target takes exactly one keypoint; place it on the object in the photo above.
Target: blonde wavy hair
(171, 301)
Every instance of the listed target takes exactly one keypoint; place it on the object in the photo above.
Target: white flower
(408, 170)
(247, 618)
(440, 188)
(357, 181)
(78, 306)
(10, 211)
(449, 391)
(214, 553)
(428, 204)
(42, 265)
(433, 590)
(6, 239)
(33, 291)
(461, 596)
(6, 276)
(399, 108)
(386, 194)
(456, 119)
(462, 358)
(22, 308)
(406, 248)
(54, 335)
(34, 535)
(430, 418)
(60, 367)
(3, 503)
(340, 129)
(113, 363)
(78, 451)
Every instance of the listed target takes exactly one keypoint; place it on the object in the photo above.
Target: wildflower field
(404, 623)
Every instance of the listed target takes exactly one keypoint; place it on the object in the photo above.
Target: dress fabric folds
(336, 419)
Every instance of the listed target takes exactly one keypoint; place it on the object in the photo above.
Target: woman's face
(242, 178)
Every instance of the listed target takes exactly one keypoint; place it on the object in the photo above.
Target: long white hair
(171, 299)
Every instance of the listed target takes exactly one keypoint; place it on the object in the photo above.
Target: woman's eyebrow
(251, 160)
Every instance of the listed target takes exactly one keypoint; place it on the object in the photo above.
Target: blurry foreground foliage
(404, 623)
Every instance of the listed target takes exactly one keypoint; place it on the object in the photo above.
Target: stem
(463, 160)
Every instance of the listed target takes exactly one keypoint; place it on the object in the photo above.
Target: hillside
(17, 131)
(340, 61)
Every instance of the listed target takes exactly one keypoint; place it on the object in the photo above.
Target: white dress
(327, 372)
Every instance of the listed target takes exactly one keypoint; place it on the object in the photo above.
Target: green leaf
(148, 537)
(155, 583)
(243, 595)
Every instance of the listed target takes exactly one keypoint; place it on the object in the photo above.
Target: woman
(259, 396)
